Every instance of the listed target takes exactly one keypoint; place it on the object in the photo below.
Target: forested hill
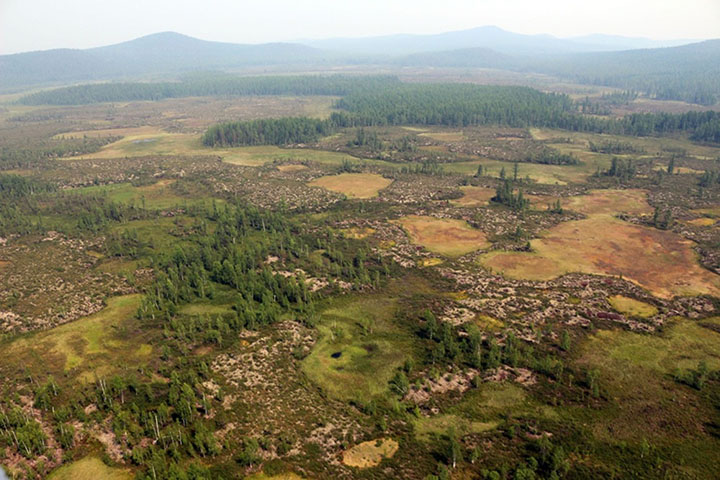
(160, 53)
(690, 72)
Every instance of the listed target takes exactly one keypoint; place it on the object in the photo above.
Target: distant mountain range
(633, 63)
(489, 37)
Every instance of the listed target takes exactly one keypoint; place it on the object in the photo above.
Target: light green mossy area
(359, 348)
(90, 468)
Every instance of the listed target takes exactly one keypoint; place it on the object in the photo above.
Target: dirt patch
(444, 236)
(355, 185)
(370, 454)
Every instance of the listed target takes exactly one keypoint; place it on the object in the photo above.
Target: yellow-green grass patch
(494, 402)
(473, 196)
(112, 132)
(371, 453)
(293, 167)
(661, 261)
(90, 468)
(632, 307)
(445, 136)
(88, 345)
(635, 371)
(426, 427)
(159, 195)
(279, 476)
(543, 174)
(708, 212)
(358, 232)
(430, 262)
(359, 348)
(449, 237)
(153, 141)
(702, 222)
(354, 185)
(204, 309)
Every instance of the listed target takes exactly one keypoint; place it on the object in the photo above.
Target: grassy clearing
(156, 196)
(610, 202)
(543, 174)
(683, 345)
(494, 402)
(204, 309)
(280, 476)
(632, 307)
(154, 141)
(426, 427)
(660, 261)
(86, 347)
(635, 373)
(353, 185)
(445, 136)
(652, 146)
(473, 196)
(293, 167)
(359, 348)
(358, 232)
(90, 468)
(370, 454)
(702, 222)
(448, 237)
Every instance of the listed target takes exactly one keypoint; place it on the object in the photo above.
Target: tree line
(209, 85)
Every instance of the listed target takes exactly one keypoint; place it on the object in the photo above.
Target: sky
(27, 25)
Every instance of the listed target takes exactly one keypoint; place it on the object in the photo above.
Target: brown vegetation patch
(295, 167)
(444, 236)
(474, 196)
(660, 261)
(356, 185)
(610, 202)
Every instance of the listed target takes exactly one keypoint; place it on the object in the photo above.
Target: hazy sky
(42, 24)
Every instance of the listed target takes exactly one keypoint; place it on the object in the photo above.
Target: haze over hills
(166, 52)
(486, 37)
(688, 72)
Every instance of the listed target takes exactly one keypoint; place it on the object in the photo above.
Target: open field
(650, 145)
(353, 185)
(607, 246)
(90, 468)
(143, 141)
(157, 196)
(609, 202)
(474, 196)
(544, 174)
(632, 307)
(444, 236)
(604, 245)
(358, 350)
(370, 453)
(86, 347)
(439, 425)
(647, 404)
